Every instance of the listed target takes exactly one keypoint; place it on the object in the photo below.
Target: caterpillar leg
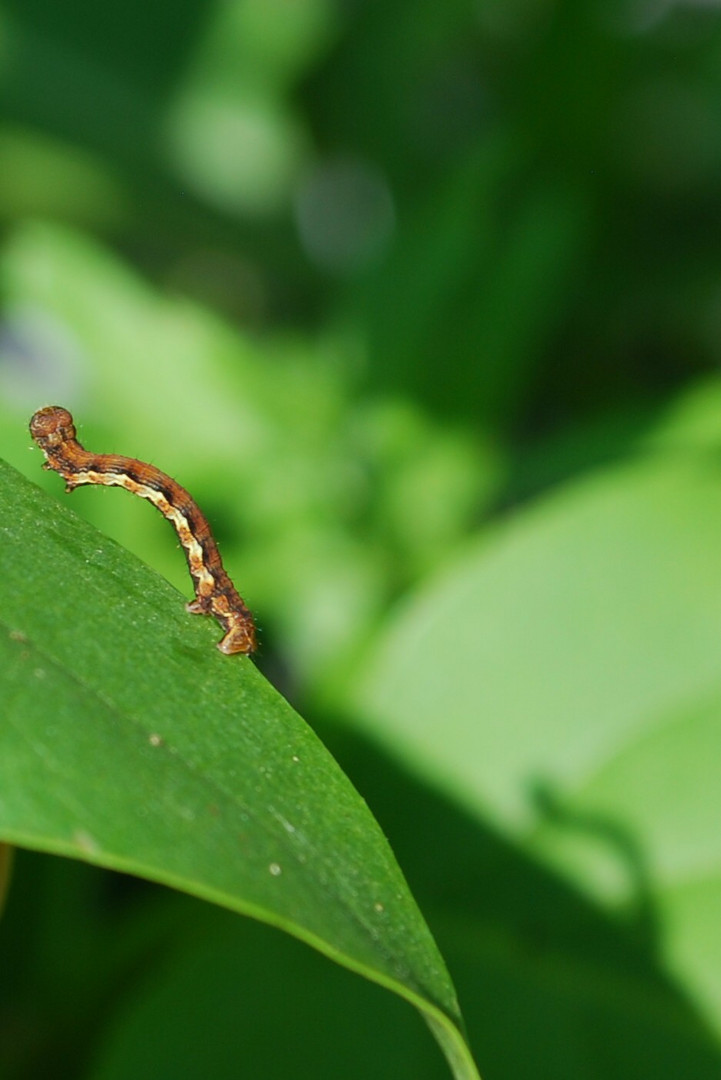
(197, 607)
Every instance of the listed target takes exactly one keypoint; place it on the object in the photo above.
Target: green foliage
(605, 767)
(421, 302)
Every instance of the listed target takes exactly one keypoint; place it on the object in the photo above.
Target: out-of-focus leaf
(565, 679)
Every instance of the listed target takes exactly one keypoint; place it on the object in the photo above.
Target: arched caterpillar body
(53, 430)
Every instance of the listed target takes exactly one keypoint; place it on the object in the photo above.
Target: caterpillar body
(53, 430)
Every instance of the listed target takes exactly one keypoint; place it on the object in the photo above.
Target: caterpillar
(53, 429)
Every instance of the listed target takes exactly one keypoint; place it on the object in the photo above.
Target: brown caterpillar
(53, 430)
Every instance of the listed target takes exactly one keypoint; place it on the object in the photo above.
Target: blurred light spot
(39, 361)
(345, 215)
(242, 154)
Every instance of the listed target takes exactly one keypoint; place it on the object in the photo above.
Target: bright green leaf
(127, 740)
(565, 679)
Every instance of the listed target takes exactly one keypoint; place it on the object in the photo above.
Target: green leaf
(127, 740)
(564, 680)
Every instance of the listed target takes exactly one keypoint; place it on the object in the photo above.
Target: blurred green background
(423, 302)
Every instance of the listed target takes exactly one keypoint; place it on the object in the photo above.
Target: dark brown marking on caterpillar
(53, 430)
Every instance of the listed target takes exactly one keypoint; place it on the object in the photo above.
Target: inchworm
(53, 430)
